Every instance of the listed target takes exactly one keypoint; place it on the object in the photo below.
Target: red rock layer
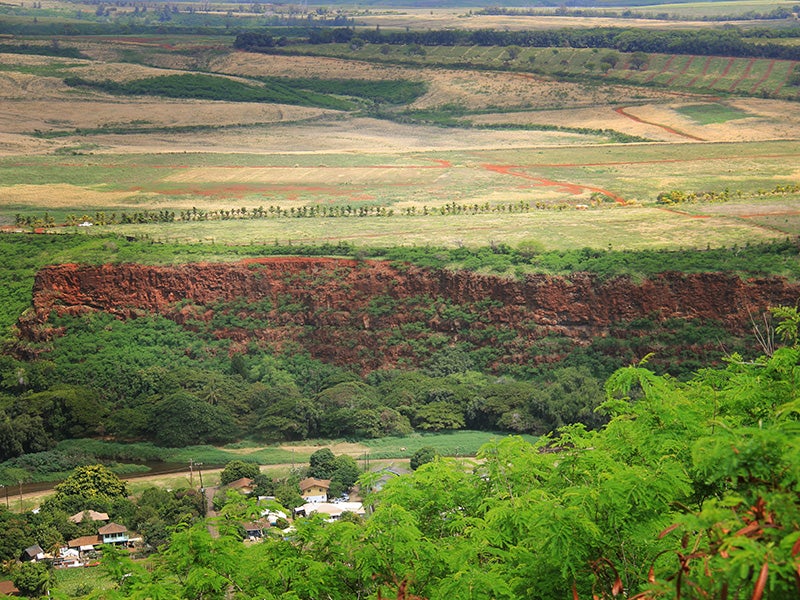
(329, 305)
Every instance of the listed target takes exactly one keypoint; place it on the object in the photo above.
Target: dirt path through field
(566, 187)
(725, 71)
(622, 110)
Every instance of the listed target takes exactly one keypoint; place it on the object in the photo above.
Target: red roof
(243, 482)
(7, 588)
(87, 540)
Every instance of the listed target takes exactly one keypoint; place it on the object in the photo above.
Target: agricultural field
(178, 136)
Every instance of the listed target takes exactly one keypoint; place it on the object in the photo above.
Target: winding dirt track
(621, 110)
(569, 188)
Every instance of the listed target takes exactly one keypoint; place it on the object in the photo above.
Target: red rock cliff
(362, 313)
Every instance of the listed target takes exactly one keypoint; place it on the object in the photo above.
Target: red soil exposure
(744, 75)
(725, 71)
(664, 69)
(764, 77)
(682, 71)
(702, 73)
(785, 78)
(348, 312)
(569, 188)
(621, 110)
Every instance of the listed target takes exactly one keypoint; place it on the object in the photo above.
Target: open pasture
(464, 18)
(546, 175)
(615, 227)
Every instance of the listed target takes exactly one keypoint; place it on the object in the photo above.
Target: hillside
(373, 314)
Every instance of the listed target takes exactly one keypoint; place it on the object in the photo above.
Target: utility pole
(191, 474)
(202, 489)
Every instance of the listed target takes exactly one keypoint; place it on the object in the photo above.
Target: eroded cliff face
(375, 315)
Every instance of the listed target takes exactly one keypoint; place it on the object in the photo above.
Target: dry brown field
(462, 18)
(62, 148)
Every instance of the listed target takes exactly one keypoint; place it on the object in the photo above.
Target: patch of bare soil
(324, 135)
(469, 89)
(461, 18)
(264, 65)
(592, 118)
(768, 120)
(477, 90)
(26, 116)
(60, 196)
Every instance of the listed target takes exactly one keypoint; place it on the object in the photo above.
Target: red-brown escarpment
(367, 313)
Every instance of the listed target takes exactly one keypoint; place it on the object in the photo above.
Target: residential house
(244, 485)
(91, 515)
(32, 554)
(315, 490)
(85, 543)
(255, 530)
(113, 533)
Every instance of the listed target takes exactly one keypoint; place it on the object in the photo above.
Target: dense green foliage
(177, 385)
(709, 42)
(211, 87)
(41, 50)
(689, 492)
(396, 91)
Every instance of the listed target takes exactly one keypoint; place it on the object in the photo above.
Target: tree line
(689, 491)
(707, 42)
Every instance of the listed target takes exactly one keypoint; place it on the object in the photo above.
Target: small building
(68, 557)
(333, 510)
(32, 553)
(85, 543)
(91, 515)
(315, 490)
(244, 485)
(113, 533)
(7, 588)
(255, 530)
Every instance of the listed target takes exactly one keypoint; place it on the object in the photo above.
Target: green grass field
(706, 114)
(78, 582)
(456, 443)
(636, 172)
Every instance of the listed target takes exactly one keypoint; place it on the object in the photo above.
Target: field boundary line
(682, 71)
(724, 72)
(703, 73)
(744, 75)
(764, 77)
(566, 186)
(621, 110)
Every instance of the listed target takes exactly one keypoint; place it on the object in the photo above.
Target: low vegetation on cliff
(299, 348)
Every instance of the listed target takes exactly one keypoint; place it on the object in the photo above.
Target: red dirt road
(569, 188)
(621, 110)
